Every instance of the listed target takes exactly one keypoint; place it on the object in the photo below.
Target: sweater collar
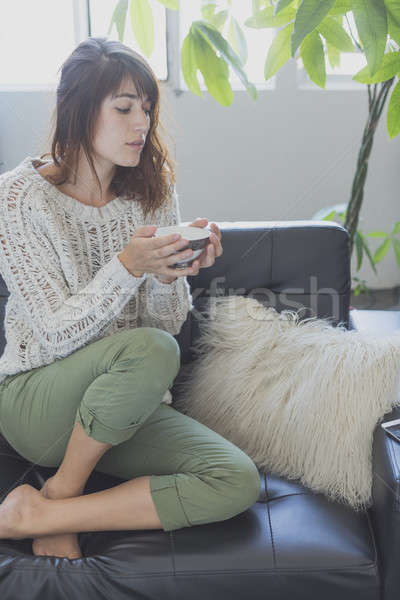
(112, 209)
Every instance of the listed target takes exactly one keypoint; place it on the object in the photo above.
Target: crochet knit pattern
(67, 286)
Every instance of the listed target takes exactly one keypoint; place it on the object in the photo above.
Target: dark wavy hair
(95, 69)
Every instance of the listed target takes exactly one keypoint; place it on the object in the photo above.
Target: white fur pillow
(301, 398)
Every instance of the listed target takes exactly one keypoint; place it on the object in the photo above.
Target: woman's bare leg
(81, 456)
(69, 481)
(25, 512)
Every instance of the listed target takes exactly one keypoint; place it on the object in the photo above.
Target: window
(101, 12)
(258, 43)
(31, 46)
(33, 49)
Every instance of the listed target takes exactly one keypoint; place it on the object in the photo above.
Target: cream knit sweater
(58, 258)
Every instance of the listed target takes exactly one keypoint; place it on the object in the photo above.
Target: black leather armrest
(385, 512)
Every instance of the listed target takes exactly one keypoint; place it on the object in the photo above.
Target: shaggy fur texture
(301, 398)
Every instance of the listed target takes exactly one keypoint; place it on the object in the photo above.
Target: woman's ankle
(57, 488)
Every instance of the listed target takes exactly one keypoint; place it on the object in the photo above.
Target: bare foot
(21, 507)
(62, 544)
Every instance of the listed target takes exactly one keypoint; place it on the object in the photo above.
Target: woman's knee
(236, 483)
(158, 350)
(161, 346)
(246, 480)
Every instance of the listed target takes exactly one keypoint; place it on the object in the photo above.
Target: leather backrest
(283, 264)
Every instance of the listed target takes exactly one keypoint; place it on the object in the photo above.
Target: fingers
(164, 245)
(199, 222)
(207, 258)
(215, 239)
(164, 240)
(184, 272)
(177, 257)
(193, 269)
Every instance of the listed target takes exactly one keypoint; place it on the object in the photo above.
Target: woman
(94, 304)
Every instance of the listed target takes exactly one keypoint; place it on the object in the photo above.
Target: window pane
(350, 64)
(101, 12)
(258, 43)
(32, 46)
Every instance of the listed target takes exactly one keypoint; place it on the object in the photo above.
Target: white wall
(282, 157)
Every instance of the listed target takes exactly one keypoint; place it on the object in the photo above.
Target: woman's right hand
(147, 254)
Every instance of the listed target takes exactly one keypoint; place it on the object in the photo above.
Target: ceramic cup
(198, 238)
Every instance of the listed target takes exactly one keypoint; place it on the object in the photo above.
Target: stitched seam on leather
(395, 491)
(206, 573)
(371, 532)
(391, 442)
(269, 521)
(171, 539)
(290, 495)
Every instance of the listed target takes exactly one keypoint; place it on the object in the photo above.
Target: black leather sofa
(292, 544)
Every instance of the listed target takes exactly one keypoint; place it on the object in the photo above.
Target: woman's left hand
(212, 250)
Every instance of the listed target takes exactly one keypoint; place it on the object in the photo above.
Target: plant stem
(376, 102)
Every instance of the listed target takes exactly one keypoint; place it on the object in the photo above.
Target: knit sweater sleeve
(31, 269)
(166, 305)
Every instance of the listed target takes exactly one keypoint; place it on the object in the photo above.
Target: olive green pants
(114, 388)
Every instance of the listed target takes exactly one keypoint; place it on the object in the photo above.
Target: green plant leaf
(393, 112)
(361, 287)
(371, 21)
(256, 6)
(389, 68)
(237, 40)
(281, 5)
(334, 33)
(393, 29)
(396, 228)
(208, 8)
(309, 15)
(322, 213)
(215, 39)
(119, 18)
(189, 64)
(214, 69)
(143, 25)
(329, 216)
(381, 251)
(368, 253)
(341, 7)
(359, 248)
(313, 57)
(334, 55)
(393, 8)
(378, 234)
(216, 19)
(396, 248)
(265, 18)
(279, 52)
(172, 4)
(220, 19)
